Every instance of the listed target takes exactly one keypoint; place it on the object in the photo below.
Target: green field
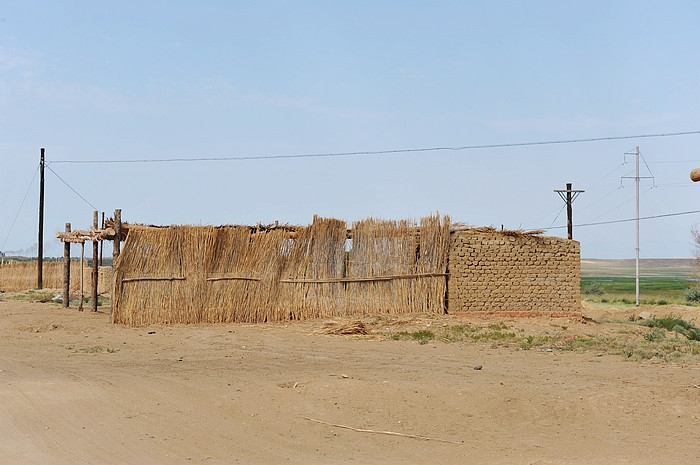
(653, 291)
(662, 281)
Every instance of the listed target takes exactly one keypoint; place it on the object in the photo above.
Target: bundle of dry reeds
(344, 327)
(316, 256)
(146, 273)
(243, 270)
(433, 252)
(503, 232)
(381, 248)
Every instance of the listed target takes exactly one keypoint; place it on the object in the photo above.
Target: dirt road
(76, 390)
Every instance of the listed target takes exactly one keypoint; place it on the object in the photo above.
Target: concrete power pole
(636, 187)
(637, 179)
(40, 247)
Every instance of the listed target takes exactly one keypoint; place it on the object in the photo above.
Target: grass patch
(91, 350)
(31, 295)
(634, 345)
(675, 324)
(422, 336)
(40, 295)
(657, 335)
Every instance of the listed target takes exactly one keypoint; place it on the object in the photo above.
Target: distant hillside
(680, 268)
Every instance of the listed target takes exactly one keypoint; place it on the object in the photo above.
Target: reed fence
(192, 274)
(20, 276)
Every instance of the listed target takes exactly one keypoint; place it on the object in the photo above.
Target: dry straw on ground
(344, 328)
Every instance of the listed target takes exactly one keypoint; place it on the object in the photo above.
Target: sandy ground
(76, 390)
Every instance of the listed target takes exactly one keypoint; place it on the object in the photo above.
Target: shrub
(656, 335)
(675, 324)
(594, 289)
(692, 294)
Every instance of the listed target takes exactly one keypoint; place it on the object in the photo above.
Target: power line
(382, 152)
(673, 161)
(559, 213)
(31, 183)
(74, 191)
(632, 219)
(619, 205)
(675, 184)
(601, 179)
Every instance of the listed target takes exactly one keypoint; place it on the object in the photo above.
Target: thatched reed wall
(20, 276)
(187, 274)
(415, 262)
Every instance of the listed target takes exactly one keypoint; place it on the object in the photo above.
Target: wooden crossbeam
(92, 235)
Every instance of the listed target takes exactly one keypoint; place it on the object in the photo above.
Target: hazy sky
(98, 80)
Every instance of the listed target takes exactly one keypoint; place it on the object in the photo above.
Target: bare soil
(76, 390)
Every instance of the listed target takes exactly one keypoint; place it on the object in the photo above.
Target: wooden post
(116, 249)
(569, 198)
(117, 235)
(40, 251)
(66, 270)
(95, 262)
(101, 242)
(82, 278)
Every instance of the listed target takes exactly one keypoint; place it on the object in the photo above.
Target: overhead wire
(619, 205)
(31, 183)
(555, 218)
(673, 161)
(599, 199)
(393, 151)
(666, 215)
(594, 202)
(380, 152)
(653, 178)
(71, 188)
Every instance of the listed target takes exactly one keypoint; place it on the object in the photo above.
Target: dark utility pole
(569, 199)
(95, 258)
(66, 270)
(40, 251)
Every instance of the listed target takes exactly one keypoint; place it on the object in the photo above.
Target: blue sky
(97, 81)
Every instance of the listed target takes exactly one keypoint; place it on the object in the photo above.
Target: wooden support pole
(117, 235)
(569, 198)
(116, 249)
(66, 270)
(102, 243)
(95, 263)
(82, 275)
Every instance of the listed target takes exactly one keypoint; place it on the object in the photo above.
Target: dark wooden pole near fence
(117, 236)
(40, 247)
(66, 270)
(95, 264)
(116, 249)
(101, 242)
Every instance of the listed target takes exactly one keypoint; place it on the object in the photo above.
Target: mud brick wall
(493, 272)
